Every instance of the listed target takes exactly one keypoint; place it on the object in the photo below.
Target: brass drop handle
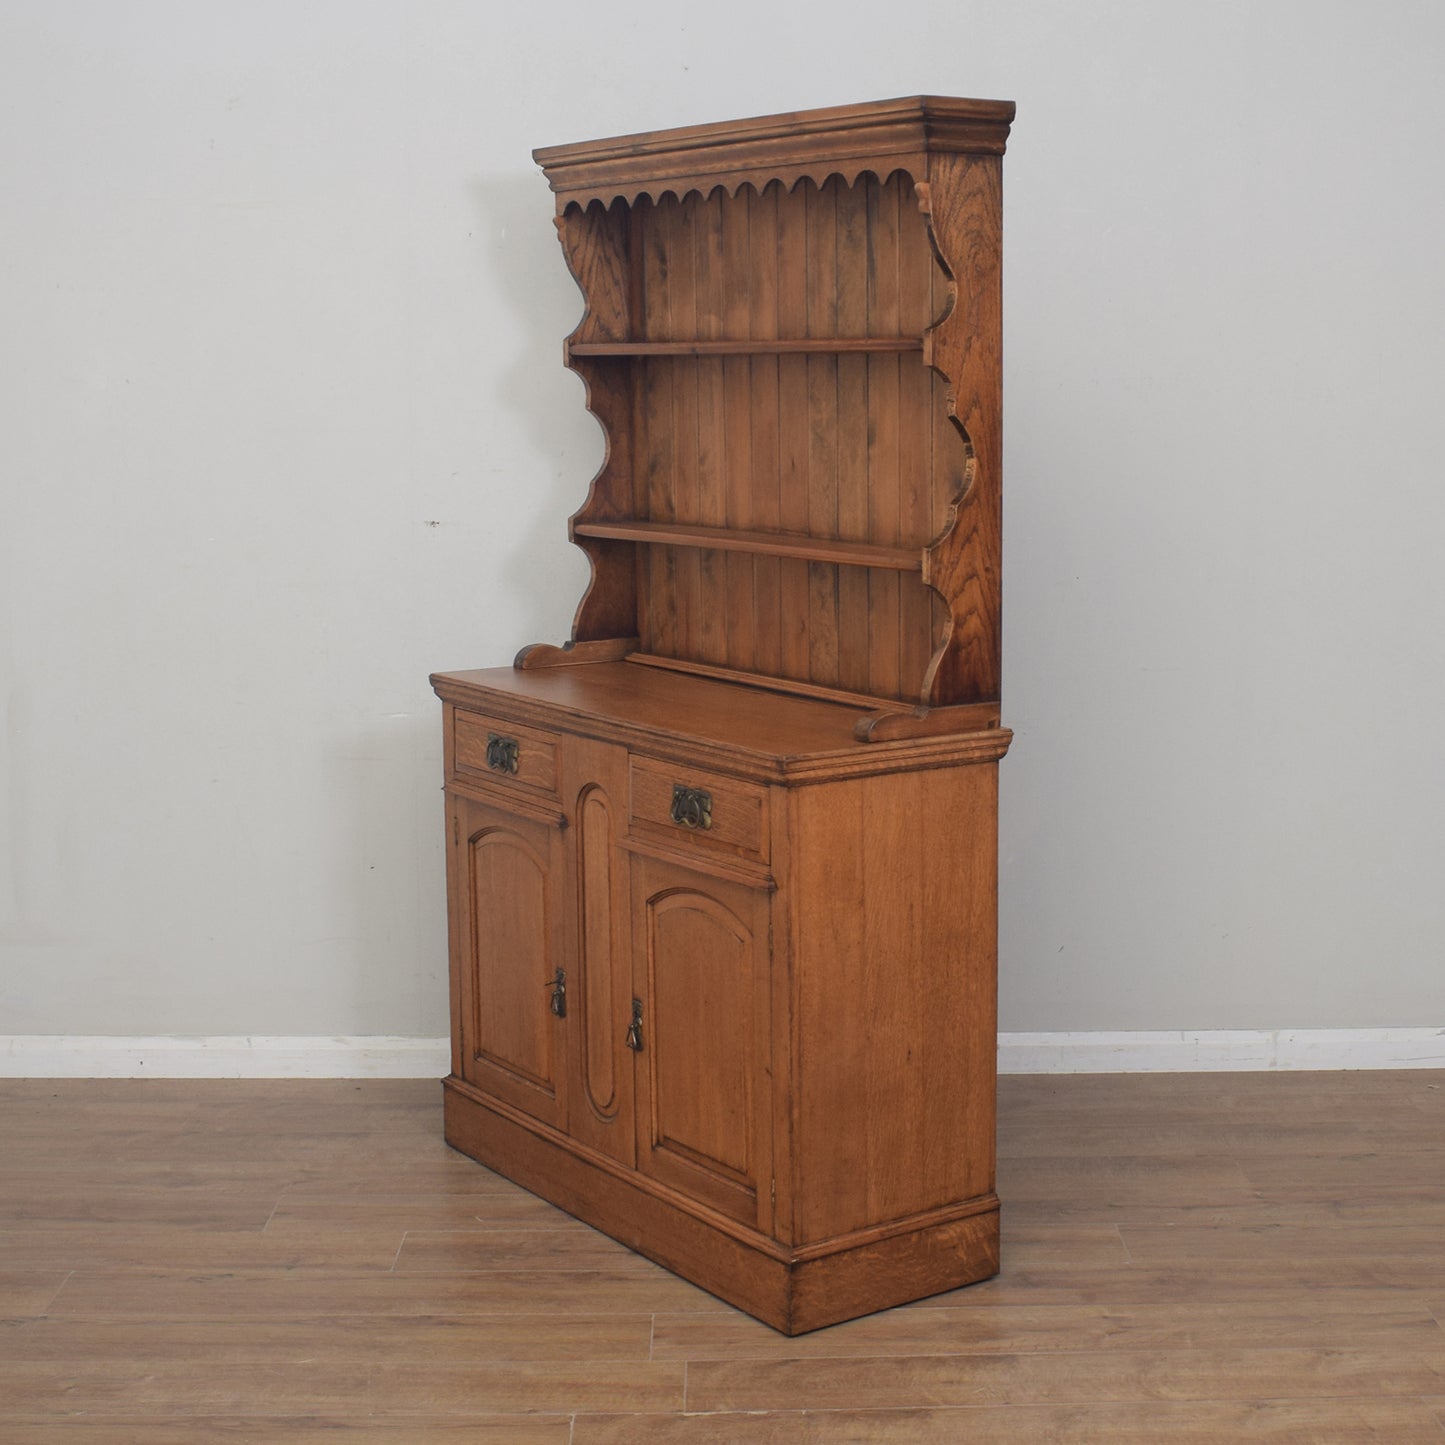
(634, 1029)
(502, 753)
(559, 993)
(691, 807)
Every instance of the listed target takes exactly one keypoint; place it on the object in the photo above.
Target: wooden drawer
(679, 803)
(504, 752)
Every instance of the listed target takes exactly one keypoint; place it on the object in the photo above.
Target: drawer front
(504, 752)
(684, 805)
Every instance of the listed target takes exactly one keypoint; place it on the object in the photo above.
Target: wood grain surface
(1186, 1258)
(797, 369)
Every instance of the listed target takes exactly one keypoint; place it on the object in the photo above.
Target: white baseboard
(176, 1056)
(1209, 1050)
(180, 1056)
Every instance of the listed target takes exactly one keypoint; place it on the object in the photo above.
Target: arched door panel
(702, 987)
(510, 948)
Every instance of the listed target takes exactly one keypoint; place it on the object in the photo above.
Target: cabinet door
(701, 996)
(507, 941)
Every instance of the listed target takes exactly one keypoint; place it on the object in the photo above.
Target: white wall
(283, 427)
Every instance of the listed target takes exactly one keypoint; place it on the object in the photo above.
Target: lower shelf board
(794, 1293)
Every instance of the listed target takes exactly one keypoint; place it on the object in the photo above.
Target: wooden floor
(1225, 1257)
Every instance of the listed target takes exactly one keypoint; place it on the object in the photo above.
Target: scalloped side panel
(962, 203)
(594, 244)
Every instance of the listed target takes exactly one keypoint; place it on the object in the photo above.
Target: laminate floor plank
(1065, 1378)
(1320, 1323)
(1421, 1242)
(1423, 1210)
(309, 1429)
(383, 1390)
(1036, 1245)
(278, 1294)
(156, 1247)
(1271, 1143)
(329, 1340)
(44, 1206)
(1379, 1173)
(1221, 1282)
(29, 1291)
(1217, 1091)
(514, 1209)
(1272, 1422)
(574, 1248)
(1122, 1179)
(363, 1178)
(300, 1430)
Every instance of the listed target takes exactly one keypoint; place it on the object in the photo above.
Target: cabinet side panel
(894, 939)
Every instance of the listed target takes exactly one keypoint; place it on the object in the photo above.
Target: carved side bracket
(887, 725)
(595, 244)
(573, 654)
(962, 200)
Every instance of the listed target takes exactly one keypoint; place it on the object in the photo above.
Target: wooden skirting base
(792, 1292)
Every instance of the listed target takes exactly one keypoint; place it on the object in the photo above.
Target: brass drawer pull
(502, 753)
(691, 807)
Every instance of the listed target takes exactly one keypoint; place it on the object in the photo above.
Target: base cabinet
(745, 1025)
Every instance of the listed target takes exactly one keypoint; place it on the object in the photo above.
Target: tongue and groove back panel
(823, 445)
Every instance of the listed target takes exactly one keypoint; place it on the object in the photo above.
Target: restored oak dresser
(722, 868)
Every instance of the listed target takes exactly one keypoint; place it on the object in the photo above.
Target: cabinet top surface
(880, 135)
(750, 731)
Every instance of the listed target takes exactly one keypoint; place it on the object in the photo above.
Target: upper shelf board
(881, 136)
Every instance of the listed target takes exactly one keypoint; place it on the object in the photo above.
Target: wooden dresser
(722, 868)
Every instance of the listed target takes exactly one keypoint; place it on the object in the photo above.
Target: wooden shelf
(821, 346)
(764, 544)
